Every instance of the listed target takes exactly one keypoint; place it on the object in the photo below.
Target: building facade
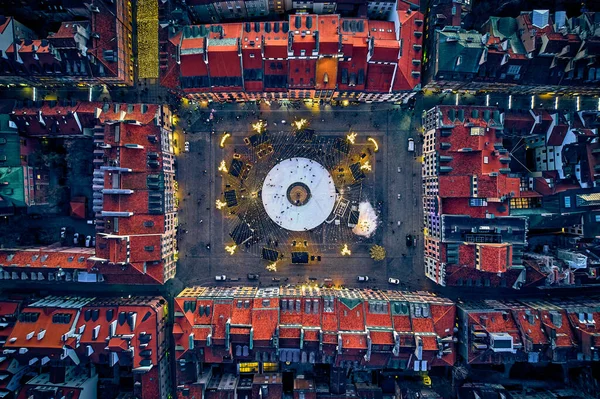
(307, 57)
(470, 237)
(134, 203)
(257, 333)
(530, 54)
(85, 347)
(94, 50)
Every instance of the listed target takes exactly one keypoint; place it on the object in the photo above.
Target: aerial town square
(299, 199)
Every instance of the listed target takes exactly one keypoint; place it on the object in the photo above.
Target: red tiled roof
(494, 258)
(379, 77)
(531, 326)
(405, 78)
(381, 337)
(51, 257)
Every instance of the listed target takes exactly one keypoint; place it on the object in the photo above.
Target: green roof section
(350, 303)
(10, 145)
(458, 50)
(11, 186)
(506, 28)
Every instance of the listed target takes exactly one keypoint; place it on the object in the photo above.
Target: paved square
(206, 231)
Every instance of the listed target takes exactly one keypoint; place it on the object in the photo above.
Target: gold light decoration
(224, 138)
(147, 39)
(351, 137)
(231, 249)
(220, 204)
(366, 166)
(222, 167)
(259, 126)
(372, 140)
(377, 253)
(346, 251)
(300, 124)
(272, 267)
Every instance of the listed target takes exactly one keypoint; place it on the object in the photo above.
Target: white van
(411, 145)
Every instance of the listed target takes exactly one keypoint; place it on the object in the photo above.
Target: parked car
(276, 279)
(411, 145)
(63, 232)
(221, 277)
(234, 279)
(393, 281)
(409, 241)
(328, 282)
(186, 146)
(362, 279)
(94, 241)
(76, 238)
(253, 276)
(88, 241)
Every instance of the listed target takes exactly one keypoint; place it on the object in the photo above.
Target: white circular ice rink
(298, 194)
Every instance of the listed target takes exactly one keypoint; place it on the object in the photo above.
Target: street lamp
(510, 101)
(578, 103)
(487, 100)
(556, 103)
(532, 102)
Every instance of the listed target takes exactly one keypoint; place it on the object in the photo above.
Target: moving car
(411, 145)
(393, 281)
(362, 279)
(328, 282)
(234, 279)
(88, 241)
(252, 276)
(221, 277)
(186, 146)
(409, 241)
(276, 279)
(63, 232)
(76, 238)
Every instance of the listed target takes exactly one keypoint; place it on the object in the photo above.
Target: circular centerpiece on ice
(298, 194)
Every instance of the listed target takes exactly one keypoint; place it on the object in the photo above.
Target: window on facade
(514, 69)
